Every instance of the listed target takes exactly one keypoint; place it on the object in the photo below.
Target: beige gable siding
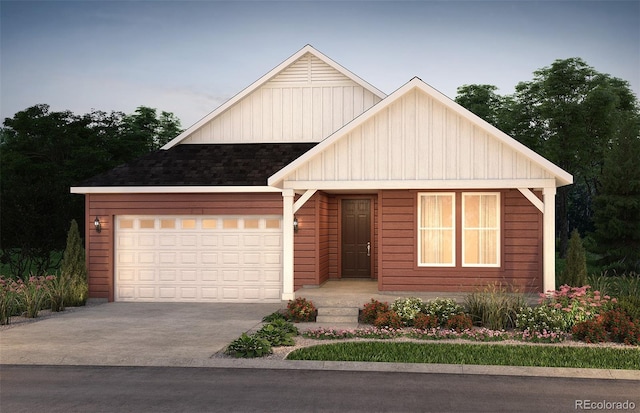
(418, 138)
(306, 102)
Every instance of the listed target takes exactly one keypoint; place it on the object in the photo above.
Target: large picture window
(481, 229)
(436, 229)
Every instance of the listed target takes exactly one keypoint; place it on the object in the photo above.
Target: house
(312, 174)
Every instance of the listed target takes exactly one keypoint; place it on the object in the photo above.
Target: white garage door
(198, 258)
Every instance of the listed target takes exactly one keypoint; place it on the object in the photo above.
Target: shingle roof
(204, 165)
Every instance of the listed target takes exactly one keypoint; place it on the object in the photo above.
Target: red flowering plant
(621, 327)
(370, 311)
(301, 310)
(425, 322)
(459, 322)
(577, 304)
(389, 319)
(590, 331)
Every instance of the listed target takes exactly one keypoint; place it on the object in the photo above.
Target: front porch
(338, 301)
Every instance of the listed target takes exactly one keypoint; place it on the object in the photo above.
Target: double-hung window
(480, 229)
(436, 229)
(479, 233)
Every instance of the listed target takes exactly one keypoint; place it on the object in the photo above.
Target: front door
(356, 238)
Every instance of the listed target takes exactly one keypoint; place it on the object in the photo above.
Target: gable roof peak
(268, 76)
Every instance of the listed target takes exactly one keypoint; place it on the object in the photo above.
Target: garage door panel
(212, 258)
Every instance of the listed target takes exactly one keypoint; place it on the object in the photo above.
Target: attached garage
(198, 258)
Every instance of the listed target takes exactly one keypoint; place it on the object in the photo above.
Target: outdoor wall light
(295, 224)
(96, 224)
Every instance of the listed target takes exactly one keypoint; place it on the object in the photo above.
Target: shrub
(494, 307)
(590, 331)
(9, 299)
(575, 271)
(407, 308)
(425, 322)
(577, 304)
(57, 290)
(442, 309)
(301, 310)
(248, 347)
(276, 315)
(73, 264)
(620, 327)
(371, 310)
(630, 305)
(459, 322)
(275, 336)
(33, 294)
(540, 318)
(285, 326)
(389, 319)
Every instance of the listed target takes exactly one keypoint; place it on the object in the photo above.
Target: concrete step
(337, 315)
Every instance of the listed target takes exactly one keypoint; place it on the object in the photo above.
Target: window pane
(436, 229)
(481, 229)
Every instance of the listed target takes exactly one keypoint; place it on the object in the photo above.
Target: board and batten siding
(417, 138)
(306, 102)
(100, 250)
(521, 250)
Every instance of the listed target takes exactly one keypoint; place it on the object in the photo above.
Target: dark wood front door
(356, 238)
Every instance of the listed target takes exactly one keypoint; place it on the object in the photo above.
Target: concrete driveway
(132, 334)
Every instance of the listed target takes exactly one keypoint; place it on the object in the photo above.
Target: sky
(189, 57)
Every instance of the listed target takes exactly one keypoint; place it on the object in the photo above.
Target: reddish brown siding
(521, 261)
(100, 245)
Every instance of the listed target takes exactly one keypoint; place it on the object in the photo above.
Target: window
(436, 229)
(481, 229)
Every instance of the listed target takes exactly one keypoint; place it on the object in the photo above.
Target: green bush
(285, 326)
(494, 307)
(407, 308)
(630, 305)
(371, 310)
(276, 315)
(301, 310)
(248, 347)
(442, 309)
(275, 336)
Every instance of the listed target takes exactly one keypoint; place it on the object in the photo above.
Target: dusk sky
(188, 57)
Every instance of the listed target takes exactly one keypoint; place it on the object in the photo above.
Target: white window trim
(452, 195)
(498, 228)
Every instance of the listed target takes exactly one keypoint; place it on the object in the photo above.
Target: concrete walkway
(188, 334)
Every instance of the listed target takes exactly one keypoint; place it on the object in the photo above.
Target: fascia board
(264, 79)
(424, 184)
(170, 189)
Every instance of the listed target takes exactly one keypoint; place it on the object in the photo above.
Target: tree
(617, 206)
(483, 101)
(575, 272)
(43, 153)
(74, 268)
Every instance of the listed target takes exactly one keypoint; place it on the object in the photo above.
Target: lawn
(481, 354)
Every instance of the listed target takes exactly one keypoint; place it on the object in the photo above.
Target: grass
(481, 354)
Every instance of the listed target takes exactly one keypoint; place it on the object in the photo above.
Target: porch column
(549, 239)
(287, 245)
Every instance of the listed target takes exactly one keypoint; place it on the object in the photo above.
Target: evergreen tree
(617, 206)
(74, 267)
(575, 273)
